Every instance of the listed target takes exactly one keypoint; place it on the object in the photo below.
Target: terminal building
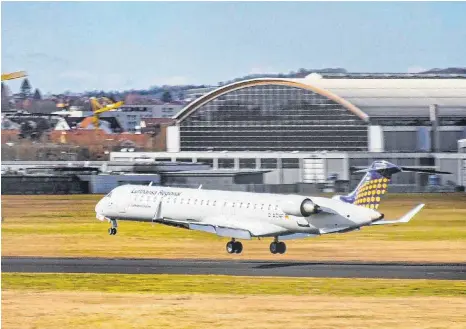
(333, 122)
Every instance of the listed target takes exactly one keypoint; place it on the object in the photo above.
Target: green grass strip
(237, 285)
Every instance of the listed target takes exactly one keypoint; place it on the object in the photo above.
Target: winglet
(404, 219)
(200, 186)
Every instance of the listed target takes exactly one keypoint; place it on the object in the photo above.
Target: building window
(290, 163)
(269, 163)
(226, 163)
(247, 163)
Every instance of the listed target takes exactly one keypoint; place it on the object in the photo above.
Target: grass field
(235, 285)
(66, 226)
(176, 301)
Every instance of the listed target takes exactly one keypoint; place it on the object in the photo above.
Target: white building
(130, 116)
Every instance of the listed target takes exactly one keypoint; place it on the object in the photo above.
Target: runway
(388, 270)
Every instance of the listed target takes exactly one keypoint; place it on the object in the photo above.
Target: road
(392, 270)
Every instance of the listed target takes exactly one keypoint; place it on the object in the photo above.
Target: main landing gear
(277, 247)
(113, 230)
(234, 247)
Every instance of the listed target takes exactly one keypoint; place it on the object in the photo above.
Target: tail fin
(372, 186)
(375, 182)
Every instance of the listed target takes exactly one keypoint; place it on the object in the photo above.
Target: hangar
(331, 112)
(306, 130)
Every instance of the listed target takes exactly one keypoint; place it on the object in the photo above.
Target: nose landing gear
(113, 230)
(234, 247)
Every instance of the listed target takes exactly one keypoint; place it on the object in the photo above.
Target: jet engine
(298, 206)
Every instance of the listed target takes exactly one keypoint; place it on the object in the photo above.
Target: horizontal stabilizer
(424, 170)
(404, 219)
(395, 169)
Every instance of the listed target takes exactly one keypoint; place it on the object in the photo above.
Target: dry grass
(35, 309)
(236, 285)
(66, 226)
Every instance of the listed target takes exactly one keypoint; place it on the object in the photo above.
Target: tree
(25, 89)
(167, 97)
(37, 95)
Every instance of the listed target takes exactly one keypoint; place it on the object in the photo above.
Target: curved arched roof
(297, 83)
(394, 97)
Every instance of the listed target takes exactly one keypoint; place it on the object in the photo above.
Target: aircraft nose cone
(99, 211)
(98, 207)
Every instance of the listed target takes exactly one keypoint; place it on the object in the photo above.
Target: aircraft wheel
(281, 247)
(274, 247)
(112, 231)
(238, 246)
(231, 247)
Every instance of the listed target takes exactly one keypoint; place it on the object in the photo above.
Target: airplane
(248, 215)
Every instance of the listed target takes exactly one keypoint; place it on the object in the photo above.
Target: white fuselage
(148, 203)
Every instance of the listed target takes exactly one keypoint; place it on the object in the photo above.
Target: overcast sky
(81, 46)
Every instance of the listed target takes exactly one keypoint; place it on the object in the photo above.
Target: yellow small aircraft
(13, 75)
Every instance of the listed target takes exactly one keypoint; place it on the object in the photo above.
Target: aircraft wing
(404, 219)
(338, 230)
(232, 227)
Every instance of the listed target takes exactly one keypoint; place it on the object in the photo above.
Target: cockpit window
(109, 195)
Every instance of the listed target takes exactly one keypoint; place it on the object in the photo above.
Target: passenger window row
(202, 202)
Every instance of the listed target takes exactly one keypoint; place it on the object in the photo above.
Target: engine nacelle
(298, 206)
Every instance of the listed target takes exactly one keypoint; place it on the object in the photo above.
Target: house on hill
(109, 125)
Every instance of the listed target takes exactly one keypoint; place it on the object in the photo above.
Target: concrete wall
(173, 139)
(195, 181)
(283, 176)
(102, 184)
(463, 172)
(421, 138)
(375, 137)
(43, 185)
(334, 162)
(329, 163)
(337, 167)
(211, 181)
(453, 166)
